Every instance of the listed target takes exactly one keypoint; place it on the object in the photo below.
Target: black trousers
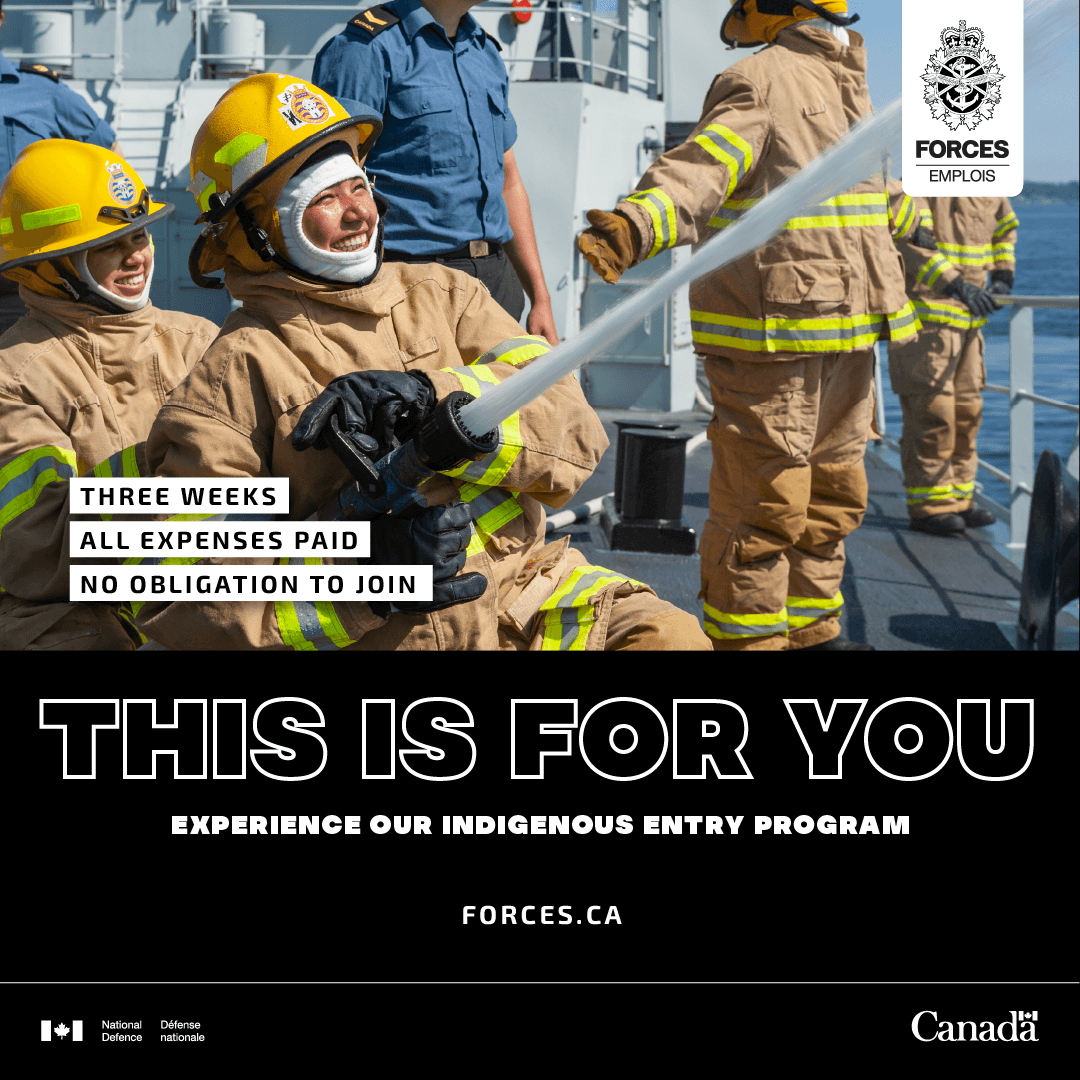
(495, 271)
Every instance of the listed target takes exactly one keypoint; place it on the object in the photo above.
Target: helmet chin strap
(259, 242)
(118, 304)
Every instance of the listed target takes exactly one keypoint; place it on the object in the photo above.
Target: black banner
(276, 849)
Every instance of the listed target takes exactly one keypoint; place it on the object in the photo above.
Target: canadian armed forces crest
(962, 79)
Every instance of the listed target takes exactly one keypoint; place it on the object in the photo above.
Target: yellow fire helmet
(62, 197)
(750, 23)
(262, 131)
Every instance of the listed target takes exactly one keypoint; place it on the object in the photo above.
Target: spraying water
(864, 151)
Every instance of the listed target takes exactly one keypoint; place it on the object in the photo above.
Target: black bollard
(650, 495)
(620, 452)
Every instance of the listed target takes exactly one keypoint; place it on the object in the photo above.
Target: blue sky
(1050, 143)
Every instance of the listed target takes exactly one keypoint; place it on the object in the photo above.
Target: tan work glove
(610, 245)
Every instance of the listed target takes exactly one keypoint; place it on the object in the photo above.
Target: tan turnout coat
(79, 390)
(973, 237)
(235, 414)
(831, 281)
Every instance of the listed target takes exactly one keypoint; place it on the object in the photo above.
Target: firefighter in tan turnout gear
(939, 377)
(327, 330)
(787, 333)
(83, 374)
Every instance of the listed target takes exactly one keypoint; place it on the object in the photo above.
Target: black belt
(474, 249)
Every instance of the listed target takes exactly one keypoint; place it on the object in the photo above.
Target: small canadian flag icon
(60, 1030)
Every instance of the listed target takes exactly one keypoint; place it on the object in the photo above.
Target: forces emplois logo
(962, 79)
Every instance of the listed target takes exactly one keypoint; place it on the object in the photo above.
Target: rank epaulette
(375, 20)
(39, 69)
(494, 40)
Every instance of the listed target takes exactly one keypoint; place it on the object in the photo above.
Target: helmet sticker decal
(121, 186)
(301, 106)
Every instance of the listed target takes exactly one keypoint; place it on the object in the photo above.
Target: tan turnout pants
(939, 379)
(788, 483)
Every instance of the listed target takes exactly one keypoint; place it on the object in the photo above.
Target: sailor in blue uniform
(444, 160)
(35, 105)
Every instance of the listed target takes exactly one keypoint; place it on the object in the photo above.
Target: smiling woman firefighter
(390, 351)
(83, 373)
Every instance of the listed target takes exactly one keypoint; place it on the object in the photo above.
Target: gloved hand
(1001, 282)
(924, 238)
(610, 245)
(379, 410)
(437, 536)
(978, 301)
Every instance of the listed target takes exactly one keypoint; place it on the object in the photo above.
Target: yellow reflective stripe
(803, 610)
(968, 248)
(787, 335)
(237, 149)
(733, 209)
(903, 324)
(505, 509)
(515, 350)
(904, 218)
(825, 222)
(493, 468)
(309, 626)
(203, 198)
(569, 613)
(937, 311)
(730, 150)
(21, 480)
(1006, 224)
(289, 627)
(56, 215)
(331, 624)
(118, 465)
(726, 625)
(6, 228)
(928, 494)
(932, 269)
(468, 383)
(127, 613)
(662, 211)
(966, 254)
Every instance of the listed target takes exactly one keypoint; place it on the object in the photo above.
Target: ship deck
(902, 590)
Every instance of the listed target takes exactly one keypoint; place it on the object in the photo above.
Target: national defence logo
(301, 106)
(962, 79)
(121, 186)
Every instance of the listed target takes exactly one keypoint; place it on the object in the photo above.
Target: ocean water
(1047, 264)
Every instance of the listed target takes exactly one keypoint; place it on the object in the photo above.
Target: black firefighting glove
(924, 238)
(978, 301)
(437, 536)
(1001, 282)
(378, 410)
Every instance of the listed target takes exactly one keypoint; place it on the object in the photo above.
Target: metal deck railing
(1022, 401)
(592, 22)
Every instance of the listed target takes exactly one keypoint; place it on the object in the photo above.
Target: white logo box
(963, 129)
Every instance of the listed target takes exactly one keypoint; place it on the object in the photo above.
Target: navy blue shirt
(439, 159)
(34, 107)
